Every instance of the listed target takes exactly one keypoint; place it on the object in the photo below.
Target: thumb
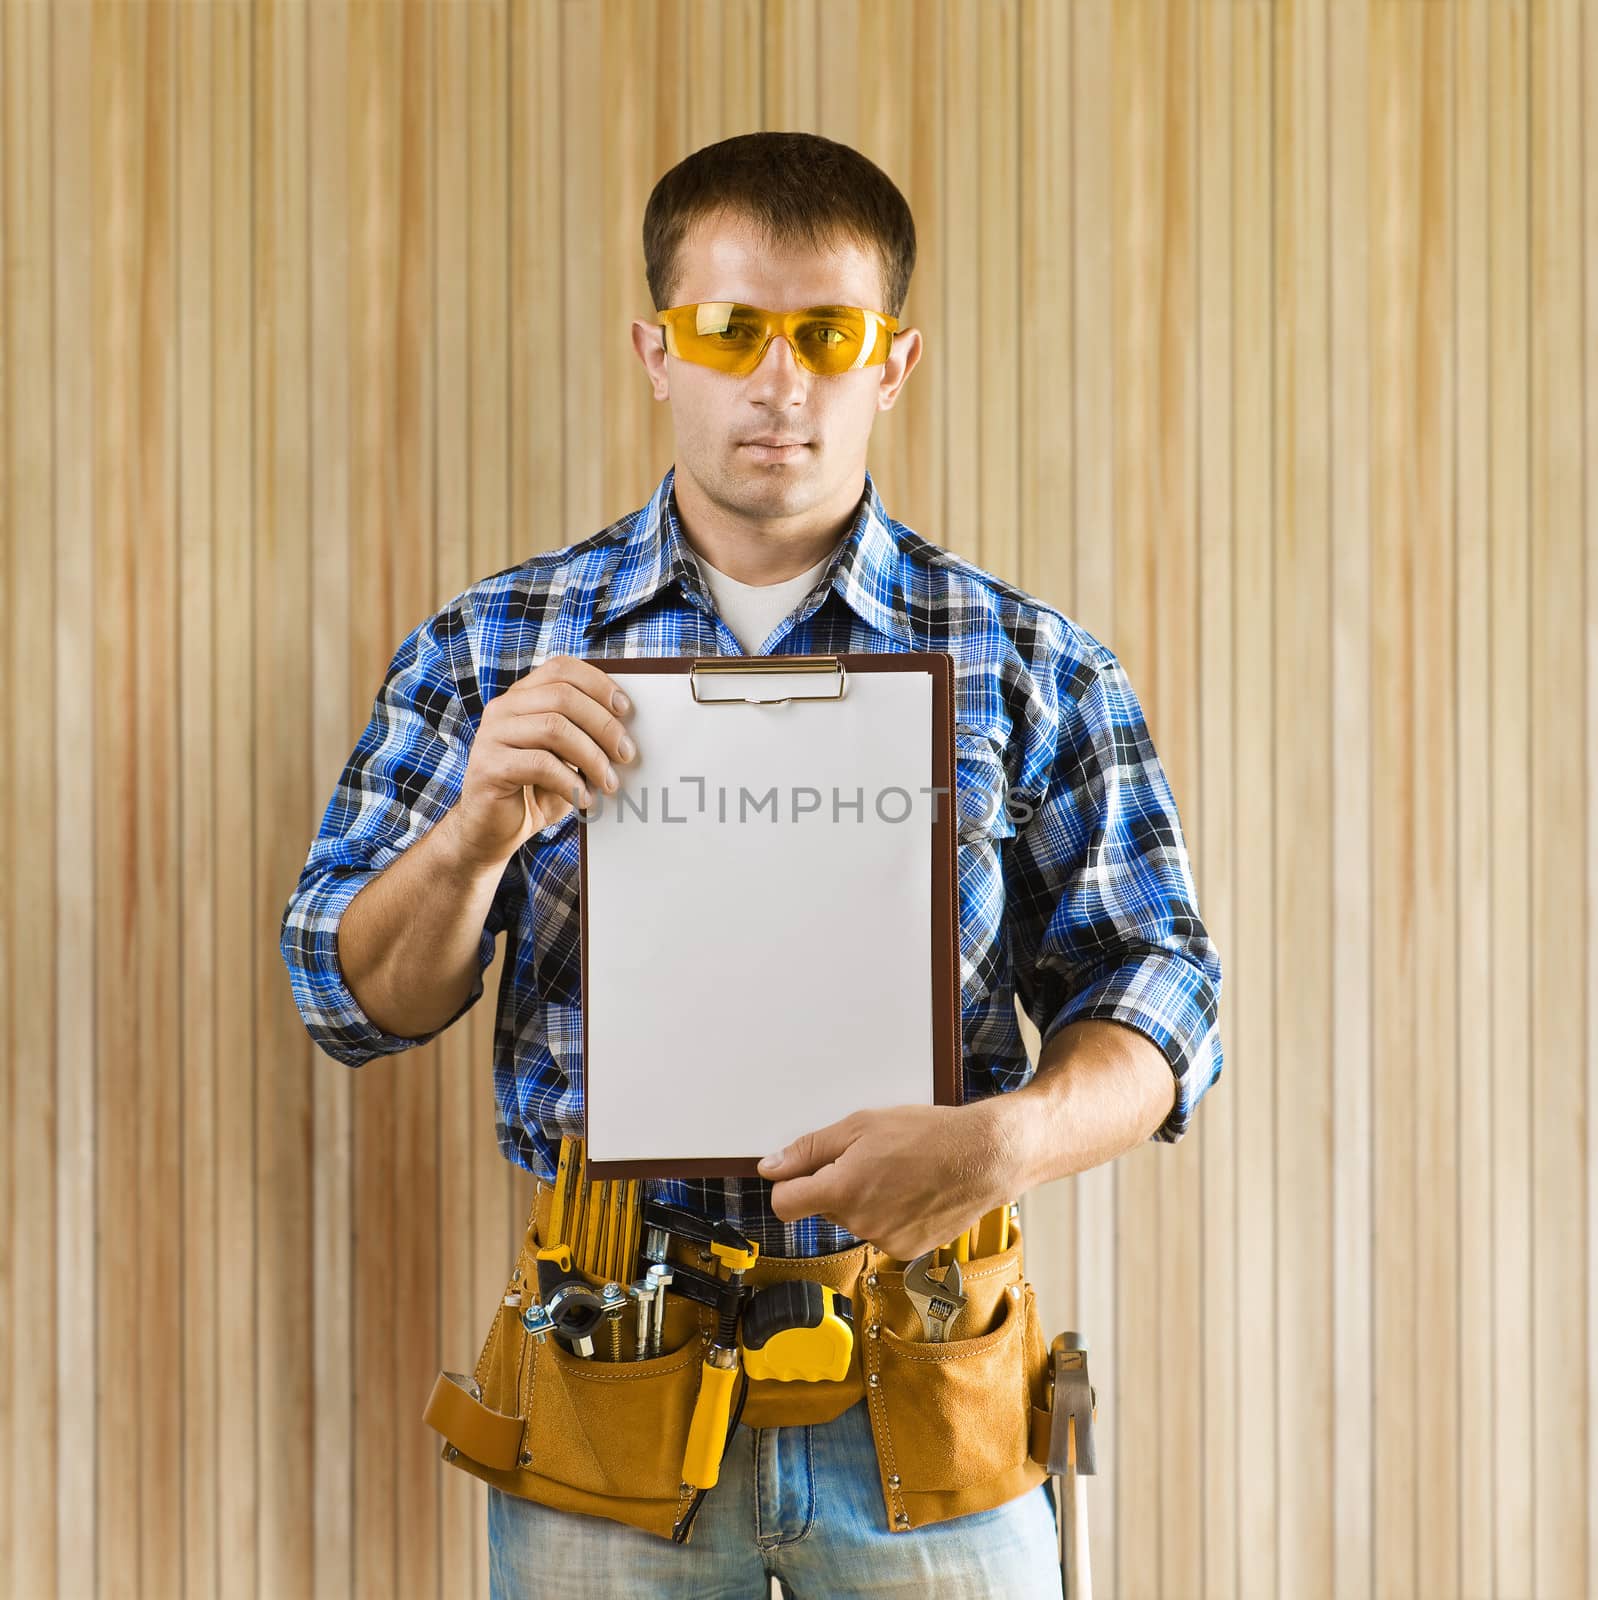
(809, 1152)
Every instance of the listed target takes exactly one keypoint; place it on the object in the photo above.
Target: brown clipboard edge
(948, 1079)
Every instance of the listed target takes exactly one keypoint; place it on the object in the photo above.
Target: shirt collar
(655, 555)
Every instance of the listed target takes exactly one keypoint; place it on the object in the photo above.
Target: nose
(778, 359)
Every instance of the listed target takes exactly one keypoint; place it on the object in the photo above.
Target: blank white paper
(759, 948)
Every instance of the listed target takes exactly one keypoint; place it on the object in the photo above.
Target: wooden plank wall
(1261, 338)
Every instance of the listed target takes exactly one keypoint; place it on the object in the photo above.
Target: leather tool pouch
(956, 1422)
(959, 1426)
(605, 1438)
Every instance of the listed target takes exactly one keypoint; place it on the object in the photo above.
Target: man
(453, 821)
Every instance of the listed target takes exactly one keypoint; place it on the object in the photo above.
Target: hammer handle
(1072, 1491)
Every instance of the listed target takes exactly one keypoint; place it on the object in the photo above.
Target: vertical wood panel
(1352, 887)
(75, 1110)
(669, 91)
(1395, 413)
(537, 275)
(581, 242)
(1435, 818)
(9, 1344)
(1044, 420)
(197, 671)
(1250, 966)
(156, 842)
(27, 827)
(238, 923)
(1558, 844)
(627, 68)
(1290, 414)
(1589, 247)
(1509, 268)
(1470, 691)
(1303, 876)
(1217, 323)
(120, 166)
(962, 322)
(889, 113)
(281, 594)
(997, 338)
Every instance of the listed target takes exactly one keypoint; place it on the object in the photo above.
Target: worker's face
(713, 413)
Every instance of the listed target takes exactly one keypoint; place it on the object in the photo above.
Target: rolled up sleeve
(1105, 919)
(404, 774)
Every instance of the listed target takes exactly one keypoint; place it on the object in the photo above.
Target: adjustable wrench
(938, 1304)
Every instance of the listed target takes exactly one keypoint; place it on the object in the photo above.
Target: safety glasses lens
(732, 337)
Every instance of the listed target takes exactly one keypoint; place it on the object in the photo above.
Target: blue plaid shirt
(1075, 890)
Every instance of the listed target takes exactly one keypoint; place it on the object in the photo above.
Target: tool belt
(959, 1427)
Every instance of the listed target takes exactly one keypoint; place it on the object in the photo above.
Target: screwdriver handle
(707, 1433)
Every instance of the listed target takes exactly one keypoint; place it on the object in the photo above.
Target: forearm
(408, 942)
(1101, 1089)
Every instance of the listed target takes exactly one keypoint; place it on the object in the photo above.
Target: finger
(810, 1196)
(593, 681)
(552, 784)
(810, 1150)
(595, 717)
(528, 719)
(556, 732)
(603, 726)
(546, 805)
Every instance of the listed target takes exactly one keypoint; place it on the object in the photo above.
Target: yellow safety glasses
(732, 338)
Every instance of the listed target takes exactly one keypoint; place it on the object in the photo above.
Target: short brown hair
(799, 189)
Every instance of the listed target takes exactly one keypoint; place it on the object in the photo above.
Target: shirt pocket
(982, 787)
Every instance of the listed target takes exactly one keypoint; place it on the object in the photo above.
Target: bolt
(613, 1298)
(657, 1278)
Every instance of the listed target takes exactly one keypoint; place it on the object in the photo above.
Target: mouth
(773, 450)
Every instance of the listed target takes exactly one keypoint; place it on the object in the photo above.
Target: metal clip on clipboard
(826, 674)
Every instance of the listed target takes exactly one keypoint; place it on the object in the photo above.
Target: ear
(902, 357)
(649, 342)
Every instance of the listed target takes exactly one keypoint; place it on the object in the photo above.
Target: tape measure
(798, 1331)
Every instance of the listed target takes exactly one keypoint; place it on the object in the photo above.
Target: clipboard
(749, 977)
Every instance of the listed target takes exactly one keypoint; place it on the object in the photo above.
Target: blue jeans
(803, 1505)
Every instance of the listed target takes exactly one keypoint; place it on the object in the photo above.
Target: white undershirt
(752, 610)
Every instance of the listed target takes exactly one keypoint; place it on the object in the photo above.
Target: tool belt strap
(485, 1435)
(1042, 1431)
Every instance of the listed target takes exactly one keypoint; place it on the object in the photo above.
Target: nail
(620, 702)
(611, 780)
(626, 747)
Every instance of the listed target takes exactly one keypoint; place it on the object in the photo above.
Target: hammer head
(1072, 1400)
